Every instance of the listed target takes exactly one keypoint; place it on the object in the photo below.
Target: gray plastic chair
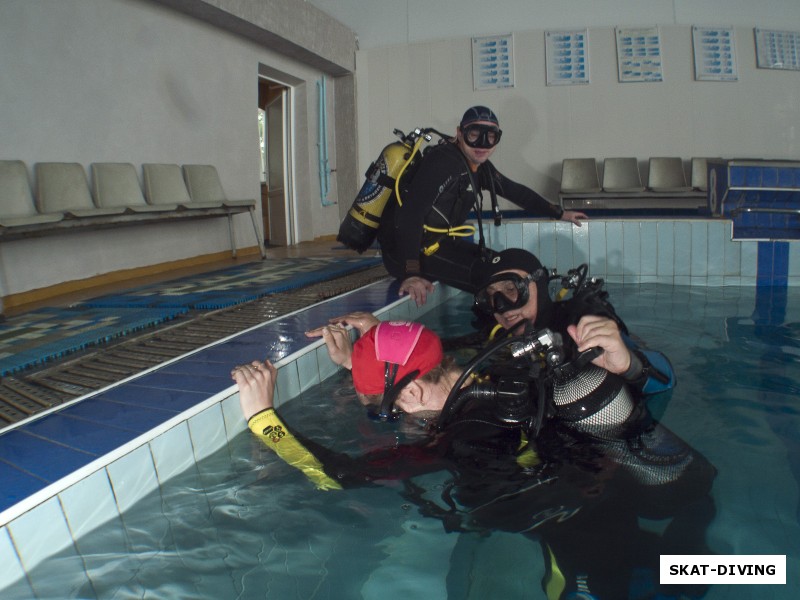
(579, 175)
(117, 185)
(164, 185)
(700, 173)
(63, 187)
(203, 183)
(205, 188)
(666, 175)
(16, 200)
(621, 175)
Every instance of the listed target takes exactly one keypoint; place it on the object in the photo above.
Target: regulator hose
(455, 400)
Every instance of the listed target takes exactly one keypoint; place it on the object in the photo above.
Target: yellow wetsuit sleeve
(269, 428)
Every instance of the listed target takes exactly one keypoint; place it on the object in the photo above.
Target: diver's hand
(574, 217)
(363, 321)
(594, 331)
(256, 381)
(417, 289)
(337, 340)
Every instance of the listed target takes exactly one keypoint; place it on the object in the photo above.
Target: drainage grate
(32, 391)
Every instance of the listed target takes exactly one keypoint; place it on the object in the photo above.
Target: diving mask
(481, 136)
(504, 292)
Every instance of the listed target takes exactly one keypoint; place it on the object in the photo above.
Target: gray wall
(430, 84)
(136, 81)
(380, 23)
(175, 81)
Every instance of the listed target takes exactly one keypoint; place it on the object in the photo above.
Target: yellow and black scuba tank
(360, 226)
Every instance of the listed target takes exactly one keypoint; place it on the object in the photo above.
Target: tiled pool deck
(86, 462)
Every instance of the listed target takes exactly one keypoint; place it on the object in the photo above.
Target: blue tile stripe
(773, 264)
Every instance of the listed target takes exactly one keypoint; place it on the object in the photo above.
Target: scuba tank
(360, 226)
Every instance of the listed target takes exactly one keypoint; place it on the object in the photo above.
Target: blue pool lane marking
(773, 264)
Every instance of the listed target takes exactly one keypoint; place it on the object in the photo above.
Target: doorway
(277, 206)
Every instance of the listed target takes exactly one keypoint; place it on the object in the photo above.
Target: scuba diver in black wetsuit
(578, 486)
(423, 237)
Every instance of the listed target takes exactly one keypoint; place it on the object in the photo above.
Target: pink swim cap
(411, 346)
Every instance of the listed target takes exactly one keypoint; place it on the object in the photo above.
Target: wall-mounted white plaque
(639, 54)
(493, 62)
(714, 54)
(567, 55)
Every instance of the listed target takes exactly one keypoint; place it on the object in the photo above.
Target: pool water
(246, 525)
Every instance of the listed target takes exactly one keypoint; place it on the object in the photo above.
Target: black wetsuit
(581, 493)
(598, 465)
(441, 195)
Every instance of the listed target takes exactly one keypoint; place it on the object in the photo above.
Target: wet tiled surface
(86, 463)
(46, 449)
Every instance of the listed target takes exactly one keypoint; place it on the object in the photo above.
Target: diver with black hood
(423, 237)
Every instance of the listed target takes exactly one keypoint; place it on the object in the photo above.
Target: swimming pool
(245, 525)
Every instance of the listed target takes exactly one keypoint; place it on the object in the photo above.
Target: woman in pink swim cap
(395, 364)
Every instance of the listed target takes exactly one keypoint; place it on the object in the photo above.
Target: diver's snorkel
(392, 390)
(390, 356)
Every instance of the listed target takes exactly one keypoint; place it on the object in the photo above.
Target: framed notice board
(777, 49)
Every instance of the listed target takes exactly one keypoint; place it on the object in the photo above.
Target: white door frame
(287, 141)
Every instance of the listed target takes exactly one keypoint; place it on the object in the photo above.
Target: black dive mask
(503, 293)
(481, 136)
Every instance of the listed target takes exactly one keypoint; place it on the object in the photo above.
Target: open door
(278, 170)
(277, 196)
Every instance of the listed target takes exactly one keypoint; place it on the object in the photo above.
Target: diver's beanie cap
(412, 346)
(513, 258)
(479, 113)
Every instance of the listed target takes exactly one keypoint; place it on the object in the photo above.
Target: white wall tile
(631, 249)
(514, 234)
(308, 370)
(133, 477)
(530, 237)
(580, 242)
(564, 246)
(683, 248)
(715, 258)
(12, 570)
(495, 236)
(749, 264)
(699, 248)
(733, 257)
(648, 232)
(89, 503)
(232, 417)
(206, 435)
(614, 248)
(172, 452)
(41, 532)
(401, 312)
(666, 251)
(288, 383)
(547, 243)
(597, 248)
(326, 366)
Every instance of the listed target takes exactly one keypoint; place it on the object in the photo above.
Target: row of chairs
(64, 198)
(621, 175)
